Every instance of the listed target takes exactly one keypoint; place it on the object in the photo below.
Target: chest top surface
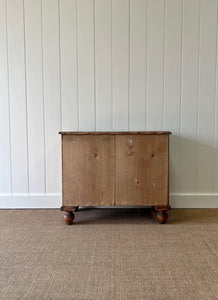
(115, 132)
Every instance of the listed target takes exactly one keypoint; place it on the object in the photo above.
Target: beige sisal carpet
(108, 254)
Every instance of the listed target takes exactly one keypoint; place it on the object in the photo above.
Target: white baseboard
(30, 201)
(194, 200)
(55, 200)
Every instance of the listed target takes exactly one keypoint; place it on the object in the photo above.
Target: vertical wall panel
(103, 64)
(172, 86)
(17, 90)
(155, 66)
(34, 96)
(120, 64)
(68, 47)
(189, 94)
(172, 65)
(50, 18)
(86, 63)
(5, 163)
(138, 62)
(206, 95)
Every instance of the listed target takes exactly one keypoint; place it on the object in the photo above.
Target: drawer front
(88, 170)
(142, 170)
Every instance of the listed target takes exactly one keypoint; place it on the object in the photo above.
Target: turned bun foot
(68, 217)
(162, 216)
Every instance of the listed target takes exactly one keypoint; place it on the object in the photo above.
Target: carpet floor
(111, 254)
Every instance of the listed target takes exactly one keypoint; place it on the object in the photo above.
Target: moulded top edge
(115, 132)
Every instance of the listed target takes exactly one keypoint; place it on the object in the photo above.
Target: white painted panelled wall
(107, 65)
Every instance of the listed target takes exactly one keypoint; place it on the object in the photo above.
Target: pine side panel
(142, 170)
(172, 86)
(51, 69)
(5, 161)
(17, 91)
(86, 63)
(34, 88)
(189, 95)
(138, 62)
(206, 105)
(155, 65)
(103, 64)
(88, 170)
(120, 64)
(68, 52)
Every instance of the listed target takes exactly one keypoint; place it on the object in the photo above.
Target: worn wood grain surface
(142, 170)
(88, 170)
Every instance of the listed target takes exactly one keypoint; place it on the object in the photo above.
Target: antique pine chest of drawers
(115, 169)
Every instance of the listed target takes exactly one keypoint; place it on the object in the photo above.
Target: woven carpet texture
(111, 254)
